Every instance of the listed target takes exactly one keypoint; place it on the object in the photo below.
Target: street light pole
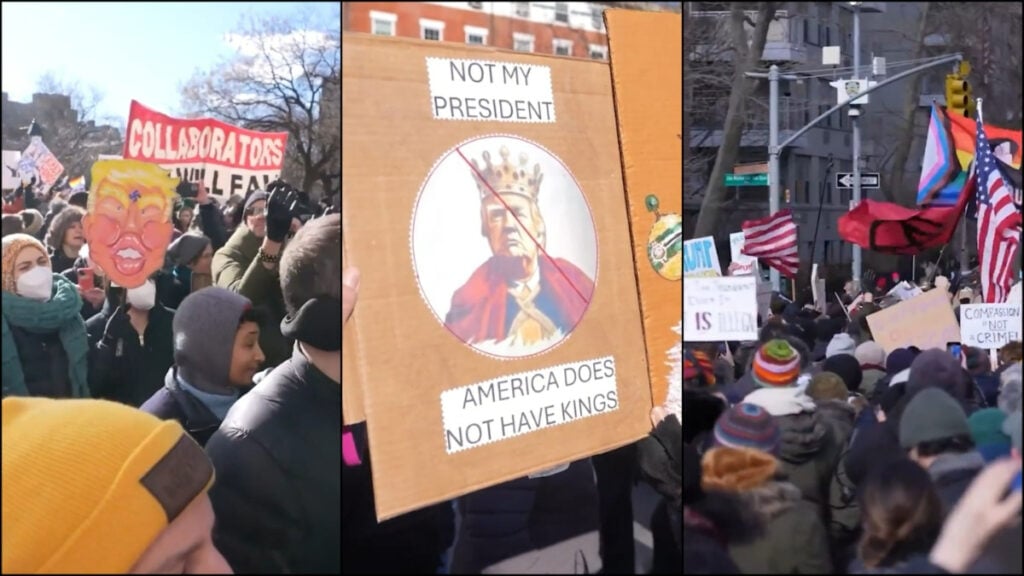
(773, 153)
(855, 119)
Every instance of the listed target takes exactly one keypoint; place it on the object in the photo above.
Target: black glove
(279, 212)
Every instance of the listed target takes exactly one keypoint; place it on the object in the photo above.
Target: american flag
(998, 224)
(773, 239)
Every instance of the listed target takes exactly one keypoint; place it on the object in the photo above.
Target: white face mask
(36, 284)
(143, 297)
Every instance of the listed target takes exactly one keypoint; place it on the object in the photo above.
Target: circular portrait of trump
(504, 246)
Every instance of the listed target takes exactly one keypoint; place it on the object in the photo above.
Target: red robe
(480, 308)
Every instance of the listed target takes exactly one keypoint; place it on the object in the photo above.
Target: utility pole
(855, 121)
(775, 148)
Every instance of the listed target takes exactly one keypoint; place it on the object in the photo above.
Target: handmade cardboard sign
(498, 329)
(228, 159)
(11, 176)
(645, 54)
(128, 224)
(720, 309)
(37, 161)
(925, 321)
(989, 326)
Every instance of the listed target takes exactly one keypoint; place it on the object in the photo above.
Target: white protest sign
(717, 309)
(11, 178)
(505, 407)
(490, 91)
(905, 291)
(37, 160)
(1014, 297)
(742, 264)
(700, 258)
(989, 326)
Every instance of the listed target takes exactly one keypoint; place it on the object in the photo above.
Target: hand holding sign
(349, 292)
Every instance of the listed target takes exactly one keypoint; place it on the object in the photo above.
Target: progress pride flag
(230, 160)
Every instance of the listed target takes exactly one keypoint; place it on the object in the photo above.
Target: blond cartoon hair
(120, 178)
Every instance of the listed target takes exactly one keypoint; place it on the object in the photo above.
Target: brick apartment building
(573, 29)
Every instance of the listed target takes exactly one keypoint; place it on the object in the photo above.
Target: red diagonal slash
(521, 226)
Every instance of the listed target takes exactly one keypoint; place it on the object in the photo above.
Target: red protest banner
(230, 160)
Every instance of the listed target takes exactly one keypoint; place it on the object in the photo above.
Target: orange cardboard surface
(646, 61)
(497, 331)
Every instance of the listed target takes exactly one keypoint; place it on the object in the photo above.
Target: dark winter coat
(808, 453)
(952, 474)
(60, 261)
(277, 497)
(125, 367)
(704, 550)
(174, 403)
(546, 525)
(1002, 554)
(794, 539)
(235, 267)
(412, 543)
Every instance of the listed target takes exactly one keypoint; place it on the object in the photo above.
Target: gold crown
(506, 178)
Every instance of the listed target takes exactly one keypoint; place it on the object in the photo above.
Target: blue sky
(143, 51)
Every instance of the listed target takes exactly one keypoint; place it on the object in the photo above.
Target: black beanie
(846, 367)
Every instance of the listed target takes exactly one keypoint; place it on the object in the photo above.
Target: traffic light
(958, 95)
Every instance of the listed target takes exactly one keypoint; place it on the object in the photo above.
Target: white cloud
(284, 52)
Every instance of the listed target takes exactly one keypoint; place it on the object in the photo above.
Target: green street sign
(746, 179)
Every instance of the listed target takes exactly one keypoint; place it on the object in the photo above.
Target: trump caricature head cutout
(128, 225)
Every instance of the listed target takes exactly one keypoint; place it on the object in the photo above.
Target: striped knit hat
(747, 426)
(776, 365)
(697, 364)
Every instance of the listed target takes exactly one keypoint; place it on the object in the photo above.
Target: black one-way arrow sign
(867, 180)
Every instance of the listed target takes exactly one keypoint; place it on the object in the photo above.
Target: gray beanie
(204, 336)
(841, 343)
(932, 415)
(185, 249)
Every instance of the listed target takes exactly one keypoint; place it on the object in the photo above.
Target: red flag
(892, 229)
(773, 239)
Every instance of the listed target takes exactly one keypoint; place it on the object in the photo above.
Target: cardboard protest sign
(11, 160)
(990, 326)
(926, 321)
(649, 109)
(498, 330)
(230, 160)
(742, 265)
(128, 224)
(720, 309)
(700, 258)
(38, 161)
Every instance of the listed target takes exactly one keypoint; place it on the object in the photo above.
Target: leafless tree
(73, 135)
(747, 50)
(276, 83)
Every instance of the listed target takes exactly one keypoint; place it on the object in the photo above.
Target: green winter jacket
(235, 267)
(794, 539)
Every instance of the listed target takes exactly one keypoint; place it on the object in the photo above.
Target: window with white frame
(598, 52)
(562, 12)
(431, 29)
(522, 42)
(475, 35)
(596, 18)
(382, 23)
(522, 9)
(562, 47)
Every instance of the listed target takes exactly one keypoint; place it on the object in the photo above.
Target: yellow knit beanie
(88, 485)
(13, 244)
